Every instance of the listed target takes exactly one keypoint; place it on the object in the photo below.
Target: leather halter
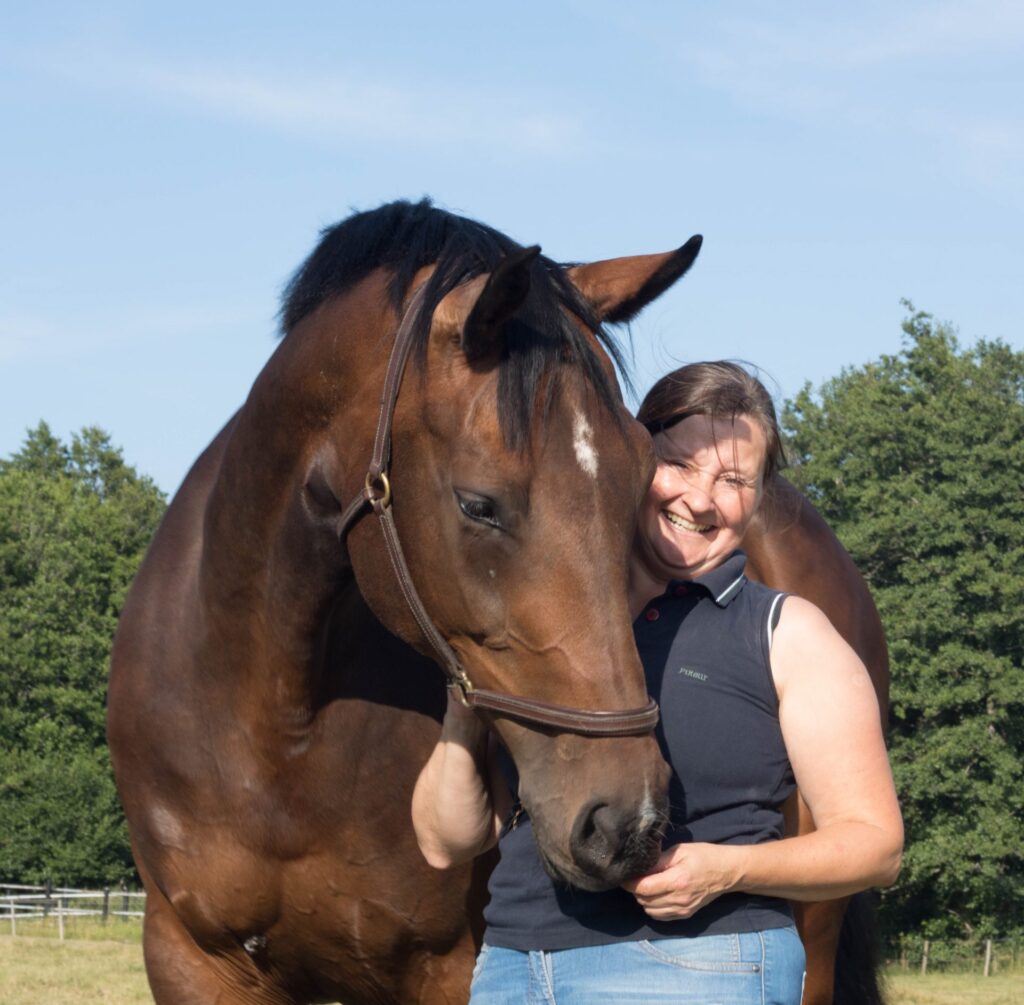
(376, 494)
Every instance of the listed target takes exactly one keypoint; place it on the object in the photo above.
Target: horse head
(516, 477)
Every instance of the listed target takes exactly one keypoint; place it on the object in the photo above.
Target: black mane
(403, 237)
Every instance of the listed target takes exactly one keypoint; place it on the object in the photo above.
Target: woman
(758, 694)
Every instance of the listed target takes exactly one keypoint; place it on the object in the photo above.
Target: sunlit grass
(955, 989)
(91, 929)
(44, 971)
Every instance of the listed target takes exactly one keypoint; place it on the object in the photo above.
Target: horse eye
(480, 510)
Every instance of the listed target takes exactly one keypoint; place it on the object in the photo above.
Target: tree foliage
(917, 461)
(75, 520)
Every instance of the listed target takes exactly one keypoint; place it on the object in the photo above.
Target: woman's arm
(830, 724)
(453, 813)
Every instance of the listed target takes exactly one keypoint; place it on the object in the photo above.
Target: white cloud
(331, 108)
(37, 338)
(869, 36)
(906, 70)
(937, 30)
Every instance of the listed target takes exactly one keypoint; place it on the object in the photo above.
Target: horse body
(271, 701)
(790, 547)
(263, 813)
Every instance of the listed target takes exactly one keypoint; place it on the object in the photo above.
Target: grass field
(956, 989)
(39, 970)
(115, 930)
(42, 971)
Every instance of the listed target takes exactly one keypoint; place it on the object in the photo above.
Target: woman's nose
(697, 495)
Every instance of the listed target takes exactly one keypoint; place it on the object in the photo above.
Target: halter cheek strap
(376, 495)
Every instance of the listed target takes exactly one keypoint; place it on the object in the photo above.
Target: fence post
(14, 919)
(988, 957)
(124, 899)
(47, 891)
(924, 957)
(60, 918)
(106, 903)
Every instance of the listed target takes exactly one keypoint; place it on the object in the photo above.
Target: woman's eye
(480, 510)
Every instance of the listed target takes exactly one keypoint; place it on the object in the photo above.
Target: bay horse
(274, 691)
(791, 548)
(273, 695)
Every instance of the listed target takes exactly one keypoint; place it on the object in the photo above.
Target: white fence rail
(20, 903)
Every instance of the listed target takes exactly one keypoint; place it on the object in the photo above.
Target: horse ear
(619, 288)
(503, 293)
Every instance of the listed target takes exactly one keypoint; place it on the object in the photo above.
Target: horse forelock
(539, 342)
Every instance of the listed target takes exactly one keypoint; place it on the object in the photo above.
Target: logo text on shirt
(695, 674)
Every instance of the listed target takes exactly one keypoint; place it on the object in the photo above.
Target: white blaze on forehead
(583, 443)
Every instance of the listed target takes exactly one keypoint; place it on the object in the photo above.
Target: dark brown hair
(720, 389)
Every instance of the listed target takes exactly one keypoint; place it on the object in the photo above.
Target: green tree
(917, 461)
(75, 520)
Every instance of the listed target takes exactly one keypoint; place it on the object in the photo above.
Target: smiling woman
(701, 499)
(712, 468)
(759, 694)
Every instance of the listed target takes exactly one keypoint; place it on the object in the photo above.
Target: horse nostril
(612, 843)
(593, 840)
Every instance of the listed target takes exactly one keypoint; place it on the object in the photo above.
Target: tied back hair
(403, 237)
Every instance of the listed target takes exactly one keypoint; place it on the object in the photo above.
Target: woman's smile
(688, 525)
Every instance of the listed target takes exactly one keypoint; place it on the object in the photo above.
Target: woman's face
(704, 494)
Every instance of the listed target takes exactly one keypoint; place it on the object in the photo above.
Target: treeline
(75, 521)
(917, 461)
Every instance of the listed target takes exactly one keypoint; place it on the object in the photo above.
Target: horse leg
(180, 973)
(439, 980)
(819, 924)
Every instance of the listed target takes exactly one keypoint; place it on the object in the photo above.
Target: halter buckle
(381, 481)
(461, 686)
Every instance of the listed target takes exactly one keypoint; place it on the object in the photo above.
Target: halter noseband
(376, 493)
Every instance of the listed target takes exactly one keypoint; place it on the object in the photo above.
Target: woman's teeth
(680, 521)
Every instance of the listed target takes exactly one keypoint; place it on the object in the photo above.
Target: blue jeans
(750, 968)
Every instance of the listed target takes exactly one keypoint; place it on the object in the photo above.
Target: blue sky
(164, 168)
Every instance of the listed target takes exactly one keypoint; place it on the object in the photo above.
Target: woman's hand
(686, 878)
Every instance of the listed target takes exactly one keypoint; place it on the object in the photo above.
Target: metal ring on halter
(382, 481)
(459, 684)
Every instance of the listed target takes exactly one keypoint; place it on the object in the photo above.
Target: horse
(791, 548)
(274, 683)
(435, 468)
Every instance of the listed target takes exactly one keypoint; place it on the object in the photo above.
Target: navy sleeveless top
(704, 646)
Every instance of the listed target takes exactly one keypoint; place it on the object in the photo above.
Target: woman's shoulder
(805, 621)
(809, 653)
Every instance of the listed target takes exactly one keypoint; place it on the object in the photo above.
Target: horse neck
(270, 574)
